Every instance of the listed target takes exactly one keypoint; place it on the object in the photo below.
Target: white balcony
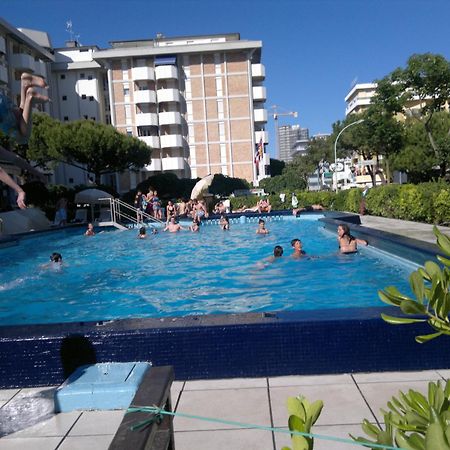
(144, 96)
(171, 140)
(260, 115)
(261, 134)
(259, 93)
(3, 75)
(154, 166)
(22, 61)
(166, 73)
(169, 118)
(151, 141)
(168, 95)
(174, 163)
(258, 71)
(146, 119)
(143, 73)
(2, 45)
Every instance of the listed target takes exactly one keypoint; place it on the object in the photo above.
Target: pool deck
(348, 399)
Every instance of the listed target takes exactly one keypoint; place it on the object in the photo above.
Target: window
(219, 87)
(62, 76)
(89, 77)
(91, 98)
(93, 118)
(64, 97)
(83, 96)
(71, 180)
(129, 131)
(81, 75)
(66, 119)
(221, 131)
(85, 116)
(220, 109)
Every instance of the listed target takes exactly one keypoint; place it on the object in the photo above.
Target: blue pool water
(115, 275)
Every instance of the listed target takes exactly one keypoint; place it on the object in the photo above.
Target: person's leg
(28, 96)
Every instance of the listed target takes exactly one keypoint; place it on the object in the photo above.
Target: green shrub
(383, 201)
(248, 201)
(441, 207)
(411, 204)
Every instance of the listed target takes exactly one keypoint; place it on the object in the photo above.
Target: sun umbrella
(92, 197)
(201, 187)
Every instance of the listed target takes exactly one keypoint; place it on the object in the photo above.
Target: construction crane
(275, 114)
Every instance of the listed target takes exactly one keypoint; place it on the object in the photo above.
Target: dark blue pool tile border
(222, 346)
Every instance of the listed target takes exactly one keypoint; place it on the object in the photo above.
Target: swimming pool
(114, 275)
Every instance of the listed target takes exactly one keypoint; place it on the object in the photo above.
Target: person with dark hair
(297, 245)
(347, 242)
(195, 226)
(142, 233)
(277, 251)
(224, 222)
(56, 258)
(90, 230)
(262, 227)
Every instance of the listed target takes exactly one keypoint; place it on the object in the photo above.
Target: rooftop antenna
(353, 83)
(69, 29)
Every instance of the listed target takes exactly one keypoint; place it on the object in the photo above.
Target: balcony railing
(169, 118)
(144, 96)
(146, 119)
(259, 93)
(258, 71)
(261, 134)
(151, 141)
(166, 73)
(143, 73)
(3, 75)
(22, 61)
(154, 166)
(168, 95)
(173, 163)
(171, 140)
(260, 115)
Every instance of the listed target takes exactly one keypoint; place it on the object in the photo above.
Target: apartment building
(197, 101)
(292, 140)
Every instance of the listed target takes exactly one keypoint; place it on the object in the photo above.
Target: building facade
(292, 140)
(197, 101)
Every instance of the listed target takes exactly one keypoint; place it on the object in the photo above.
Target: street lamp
(335, 149)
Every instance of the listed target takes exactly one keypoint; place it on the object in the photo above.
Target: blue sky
(312, 49)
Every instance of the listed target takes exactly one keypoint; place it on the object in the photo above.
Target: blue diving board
(100, 386)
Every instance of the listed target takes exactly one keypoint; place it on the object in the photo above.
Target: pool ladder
(120, 212)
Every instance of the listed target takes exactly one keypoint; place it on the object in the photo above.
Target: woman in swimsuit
(171, 210)
(347, 242)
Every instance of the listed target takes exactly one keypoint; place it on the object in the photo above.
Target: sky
(313, 50)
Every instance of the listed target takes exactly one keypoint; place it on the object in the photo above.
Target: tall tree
(95, 148)
(421, 90)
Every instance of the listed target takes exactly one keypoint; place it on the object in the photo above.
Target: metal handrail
(117, 213)
(1, 226)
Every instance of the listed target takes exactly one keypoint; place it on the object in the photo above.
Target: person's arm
(12, 184)
(361, 242)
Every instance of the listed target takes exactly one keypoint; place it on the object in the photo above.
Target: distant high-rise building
(292, 139)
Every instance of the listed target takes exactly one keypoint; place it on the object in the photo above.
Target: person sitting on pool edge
(347, 242)
(298, 248)
(264, 206)
(262, 227)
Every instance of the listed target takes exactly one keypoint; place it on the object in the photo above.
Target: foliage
(247, 201)
(302, 416)
(425, 83)
(223, 185)
(276, 167)
(414, 421)
(93, 147)
(431, 287)
(348, 200)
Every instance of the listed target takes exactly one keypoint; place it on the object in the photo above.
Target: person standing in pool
(347, 242)
(297, 245)
(262, 227)
(90, 230)
(224, 222)
(172, 226)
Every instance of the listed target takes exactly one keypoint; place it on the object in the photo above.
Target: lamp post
(335, 150)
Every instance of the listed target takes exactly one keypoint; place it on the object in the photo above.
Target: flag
(259, 151)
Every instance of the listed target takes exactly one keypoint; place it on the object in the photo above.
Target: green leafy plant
(431, 287)
(302, 416)
(414, 421)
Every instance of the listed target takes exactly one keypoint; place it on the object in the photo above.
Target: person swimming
(297, 245)
(142, 233)
(347, 242)
(90, 230)
(224, 222)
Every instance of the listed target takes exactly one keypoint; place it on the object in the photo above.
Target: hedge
(425, 202)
